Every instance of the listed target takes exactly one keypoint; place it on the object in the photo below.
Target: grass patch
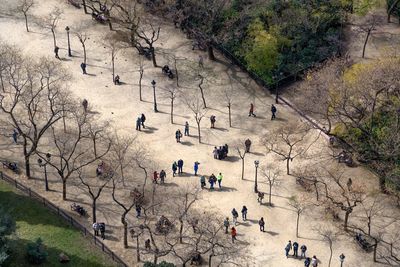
(33, 221)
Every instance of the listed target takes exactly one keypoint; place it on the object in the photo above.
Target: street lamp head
(67, 29)
(256, 162)
(153, 82)
(40, 161)
(341, 257)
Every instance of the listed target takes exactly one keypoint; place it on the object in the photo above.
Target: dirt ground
(121, 105)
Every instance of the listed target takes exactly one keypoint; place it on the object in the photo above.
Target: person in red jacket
(233, 234)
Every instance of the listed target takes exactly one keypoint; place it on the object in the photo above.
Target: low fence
(60, 212)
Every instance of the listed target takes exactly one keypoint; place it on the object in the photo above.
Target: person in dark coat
(244, 213)
(212, 180)
(273, 111)
(15, 136)
(174, 168)
(202, 181)
(307, 262)
(142, 120)
(138, 122)
(251, 111)
(56, 52)
(186, 129)
(261, 223)
(235, 215)
(178, 136)
(303, 250)
(85, 104)
(83, 67)
(196, 167)
(247, 144)
(162, 176)
(295, 249)
(288, 248)
(180, 166)
(226, 225)
(212, 120)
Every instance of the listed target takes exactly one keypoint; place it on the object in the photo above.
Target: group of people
(221, 152)
(212, 180)
(313, 262)
(99, 227)
(273, 111)
(162, 175)
(140, 122)
(177, 166)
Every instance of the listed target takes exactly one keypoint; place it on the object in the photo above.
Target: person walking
(155, 177)
(273, 111)
(180, 166)
(178, 136)
(307, 262)
(96, 228)
(261, 223)
(211, 180)
(138, 122)
(138, 211)
(251, 111)
(85, 105)
(212, 120)
(215, 152)
(174, 168)
(233, 234)
(219, 179)
(303, 250)
(103, 230)
(186, 129)
(235, 215)
(162, 176)
(295, 249)
(226, 224)
(244, 213)
(196, 167)
(314, 261)
(202, 181)
(142, 120)
(56, 52)
(83, 67)
(15, 136)
(288, 248)
(247, 144)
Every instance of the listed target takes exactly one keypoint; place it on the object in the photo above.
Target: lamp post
(69, 45)
(256, 163)
(44, 164)
(153, 83)
(341, 258)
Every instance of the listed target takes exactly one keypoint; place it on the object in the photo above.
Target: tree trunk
(181, 231)
(243, 168)
(198, 131)
(110, 24)
(155, 258)
(113, 66)
(54, 37)
(153, 56)
(64, 188)
(202, 92)
(26, 22)
(210, 52)
(288, 166)
(369, 225)
(140, 84)
(84, 53)
(270, 193)
(209, 260)
(176, 71)
(94, 210)
(297, 224)
(229, 115)
(27, 166)
(84, 6)
(365, 42)
(172, 111)
(125, 230)
(346, 220)
(137, 249)
(331, 252)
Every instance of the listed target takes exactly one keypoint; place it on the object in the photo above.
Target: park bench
(167, 71)
(79, 209)
(13, 166)
(363, 242)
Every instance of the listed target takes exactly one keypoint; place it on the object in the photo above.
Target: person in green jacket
(219, 179)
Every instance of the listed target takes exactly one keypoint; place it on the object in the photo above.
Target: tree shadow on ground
(149, 129)
(257, 154)
(220, 129)
(232, 158)
(272, 233)
(225, 189)
(169, 184)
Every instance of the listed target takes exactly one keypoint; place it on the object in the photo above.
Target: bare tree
(32, 99)
(286, 142)
(368, 27)
(299, 203)
(272, 177)
(329, 236)
(128, 18)
(120, 152)
(242, 152)
(51, 21)
(24, 6)
(113, 47)
(141, 72)
(195, 105)
(229, 94)
(146, 38)
(171, 92)
(82, 37)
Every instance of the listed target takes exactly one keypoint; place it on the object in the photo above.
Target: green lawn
(33, 221)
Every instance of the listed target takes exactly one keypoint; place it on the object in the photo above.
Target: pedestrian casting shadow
(111, 238)
(184, 174)
(247, 224)
(65, 59)
(252, 221)
(226, 189)
(149, 129)
(187, 143)
(91, 74)
(232, 158)
(169, 185)
(257, 154)
(272, 233)
(280, 119)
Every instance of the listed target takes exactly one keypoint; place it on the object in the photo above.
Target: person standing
(155, 177)
(219, 179)
(288, 248)
(85, 105)
(295, 249)
(244, 213)
(226, 224)
(273, 111)
(178, 136)
(56, 52)
(15, 136)
(233, 234)
(303, 250)
(307, 262)
(186, 129)
(235, 215)
(251, 111)
(212, 120)
(162, 176)
(215, 152)
(138, 122)
(202, 181)
(314, 261)
(211, 180)
(247, 144)
(180, 166)
(103, 230)
(261, 223)
(196, 167)
(174, 168)
(83, 67)
(142, 120)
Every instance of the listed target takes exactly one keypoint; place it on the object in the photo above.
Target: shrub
(36, 252)
(7, 227)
